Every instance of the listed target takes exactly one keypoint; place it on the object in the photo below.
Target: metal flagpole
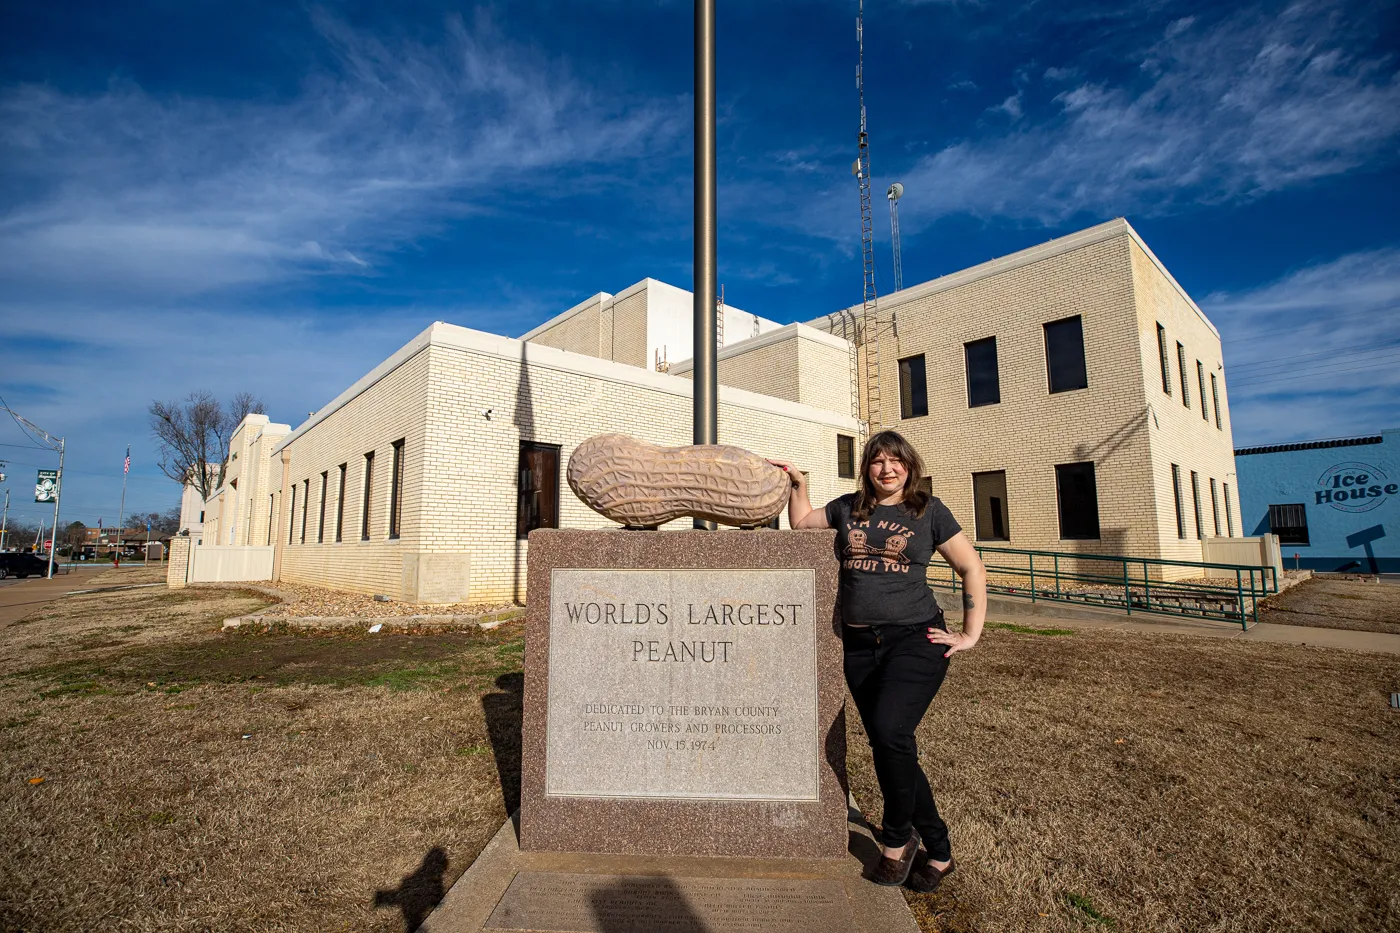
(126, 467)
(4, 519)
(706, 392)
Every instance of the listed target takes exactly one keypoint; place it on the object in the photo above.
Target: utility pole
(4, 519)
(121, 510)
(53, 443)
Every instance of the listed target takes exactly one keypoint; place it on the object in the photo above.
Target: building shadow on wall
(523, 418)
(1120, 436)
(419, 892)
(503, 711)
(641, 904)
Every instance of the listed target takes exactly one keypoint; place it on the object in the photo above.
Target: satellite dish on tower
(896, 192)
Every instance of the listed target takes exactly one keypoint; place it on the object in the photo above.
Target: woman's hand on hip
(956, 641)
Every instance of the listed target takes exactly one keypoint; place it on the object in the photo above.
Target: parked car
(20, 564)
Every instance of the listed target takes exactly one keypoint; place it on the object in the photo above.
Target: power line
(1319, 367)
(1338, 354)
(1293, 377)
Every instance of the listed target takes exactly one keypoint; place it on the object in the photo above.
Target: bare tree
(162, 523)
(194, 436)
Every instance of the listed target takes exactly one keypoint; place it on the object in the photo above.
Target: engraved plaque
(546, 902)
(682, 684)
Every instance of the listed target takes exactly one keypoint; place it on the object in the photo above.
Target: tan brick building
(1067, 398)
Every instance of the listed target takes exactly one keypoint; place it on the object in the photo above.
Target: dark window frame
(845, 456)
(271, 515)
(999, 510)
(292, 517)
(1215, 397)
(1229, 519)
(544, 501)
(1179, 502)
(913, 394)
(367, 500)
(987, 392)
(1214, 507)
(305, 502)
(1166, 363)
(1283, 522)
(1181, 368)
(340, 505)
(1201, 378)
(321, 520)
(396, 491)
(1196, 501)
(1077, 529)
(1073, 373)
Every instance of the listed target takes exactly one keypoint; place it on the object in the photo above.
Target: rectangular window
(1162, 353)
(1290, 523)
(1078, 496)
(271, 512)
(291, 516)
(1214, 508)
(1181, 368)
(396, 490)
(537, 503)
(989, 501)
(983, 385)
(340, 505)
(845, 456)
(1176, 498)
(321, 522)
(913, 387)
(1229, 520)
(1215, 397)
(1196, 499)
(1064, 355)
(368, 497)
(305, 501)
(1201, 381)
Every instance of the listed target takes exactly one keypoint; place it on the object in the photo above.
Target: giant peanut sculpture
(642, 485)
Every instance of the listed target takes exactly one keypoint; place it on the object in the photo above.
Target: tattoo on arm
(969, 601)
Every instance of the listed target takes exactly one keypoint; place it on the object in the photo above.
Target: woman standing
(896, 643)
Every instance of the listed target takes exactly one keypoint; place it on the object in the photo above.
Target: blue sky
(274, 197)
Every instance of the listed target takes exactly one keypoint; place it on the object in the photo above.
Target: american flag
(126, 468)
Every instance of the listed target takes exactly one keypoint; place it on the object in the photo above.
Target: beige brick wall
(464, 401)
(795, 363)
(392, 408)
(581, 332)
(1031, 431)
(626, 337)
(1180, 434)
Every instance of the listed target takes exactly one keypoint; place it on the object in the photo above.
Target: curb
(483, 620)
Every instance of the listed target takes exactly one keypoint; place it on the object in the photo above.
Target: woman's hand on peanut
(956, 641)
(798, 479)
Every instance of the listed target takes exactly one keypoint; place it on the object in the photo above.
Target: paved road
(19, 597)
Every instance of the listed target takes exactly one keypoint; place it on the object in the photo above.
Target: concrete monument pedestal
(683, 746)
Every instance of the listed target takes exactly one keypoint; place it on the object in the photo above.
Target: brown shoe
(893, 872)
(924, 877)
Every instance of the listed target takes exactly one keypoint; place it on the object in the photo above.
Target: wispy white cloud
(168, 194)
(1210, 113)
(1316, 353)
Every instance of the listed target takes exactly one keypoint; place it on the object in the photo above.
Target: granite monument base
(510, 891)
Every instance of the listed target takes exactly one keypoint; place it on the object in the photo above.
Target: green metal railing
(1124, 583)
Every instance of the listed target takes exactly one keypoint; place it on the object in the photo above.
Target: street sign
(46, 487)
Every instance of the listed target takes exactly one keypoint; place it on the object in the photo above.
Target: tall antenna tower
(861, 169)
(894, 194)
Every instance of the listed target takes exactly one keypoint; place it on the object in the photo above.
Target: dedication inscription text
(682, 684)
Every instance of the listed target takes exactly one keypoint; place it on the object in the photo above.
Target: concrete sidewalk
(20, 599)
(1059, 615)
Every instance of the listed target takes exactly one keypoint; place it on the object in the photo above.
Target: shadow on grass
(503, 711)
(419, 892)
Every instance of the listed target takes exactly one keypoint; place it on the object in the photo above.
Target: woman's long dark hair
(891, 444)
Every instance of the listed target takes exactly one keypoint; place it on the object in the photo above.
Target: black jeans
(893, 672)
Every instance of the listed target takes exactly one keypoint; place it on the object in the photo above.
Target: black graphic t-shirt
(884, 560)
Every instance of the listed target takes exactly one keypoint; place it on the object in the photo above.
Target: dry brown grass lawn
(1325, 602)
(198, 781)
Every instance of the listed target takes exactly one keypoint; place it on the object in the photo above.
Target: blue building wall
(1351, 495)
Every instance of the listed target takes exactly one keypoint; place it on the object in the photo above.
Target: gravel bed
(300, 600)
